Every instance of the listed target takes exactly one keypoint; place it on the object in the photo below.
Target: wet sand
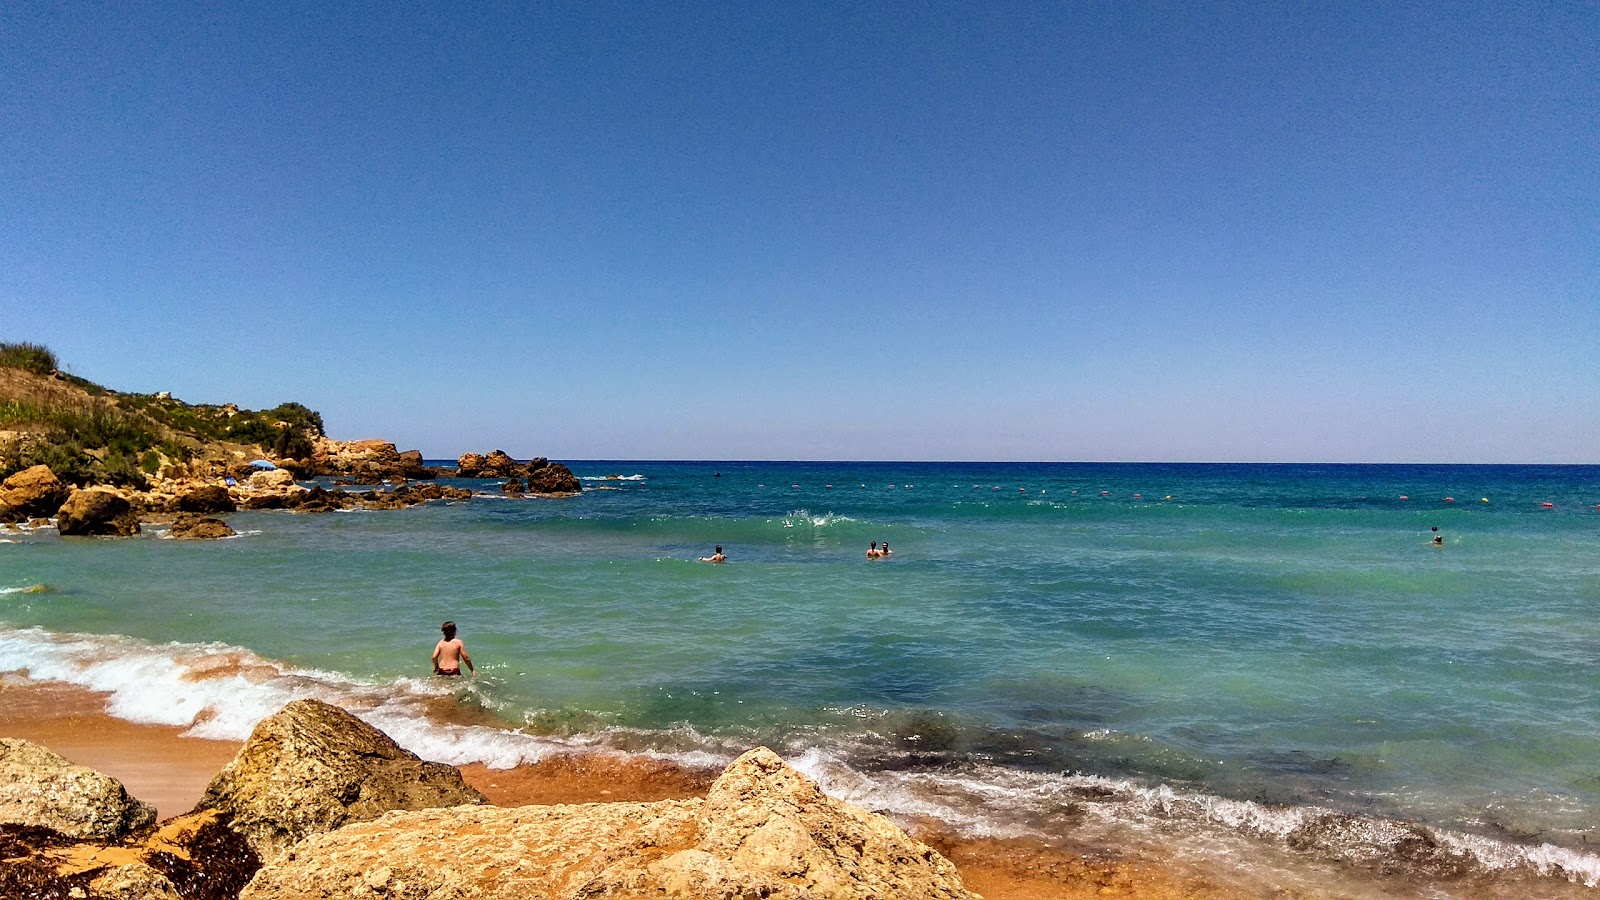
(162, 768)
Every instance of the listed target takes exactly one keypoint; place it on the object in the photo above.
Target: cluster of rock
(537, 476)
(365, 462)
(35, 495)
(320, 804)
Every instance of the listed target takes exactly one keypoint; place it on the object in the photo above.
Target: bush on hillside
(29, 357)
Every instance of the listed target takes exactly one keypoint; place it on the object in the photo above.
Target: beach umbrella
(262, 464)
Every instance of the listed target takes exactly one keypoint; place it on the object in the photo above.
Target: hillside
(88, 434)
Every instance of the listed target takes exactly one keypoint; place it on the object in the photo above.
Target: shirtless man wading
(450, 653)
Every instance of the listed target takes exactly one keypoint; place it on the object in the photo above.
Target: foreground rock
(312, 767)
(97, 511)
(31, 493)
(42, 789)
(765, 831)
(199, 528)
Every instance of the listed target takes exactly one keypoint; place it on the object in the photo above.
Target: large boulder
(97, 511)
(271, 479)
(545, 477)
(498, 464)
(204, 498)
(40, 788)
(32, 493)
(312, 767)
(199, 528)
(764, 832)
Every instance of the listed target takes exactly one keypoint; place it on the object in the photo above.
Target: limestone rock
(514, 487)
(312, 767)
(765, 832)
(274, 478)
(377, 459)
(498, 464)
(199, 528)
(41, 788)
(204, 498)
(135, 881)
(97, 511)
(32, 493)
(552, 478)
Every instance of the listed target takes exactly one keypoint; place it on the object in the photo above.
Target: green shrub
(150, 463)
(30, 357)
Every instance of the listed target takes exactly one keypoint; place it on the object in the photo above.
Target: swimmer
(873, 552)
(450, 653)
(717, 557)
(1438, 539)
(885, 551)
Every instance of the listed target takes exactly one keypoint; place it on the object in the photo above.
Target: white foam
(805, 517)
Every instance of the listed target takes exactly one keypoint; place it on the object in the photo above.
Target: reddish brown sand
(171, 772)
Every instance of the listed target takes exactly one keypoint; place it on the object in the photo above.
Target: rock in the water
(204, 498)
(1381, 844)
(552, 478)
(765, 832)
(97, 511)
(498, 464)
(40, 788)
(32, 493)
(514, 487)
(199, 528)
(312, 767)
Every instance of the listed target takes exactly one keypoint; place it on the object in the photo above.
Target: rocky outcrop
(272, 479)
(545, 477)
(32, 493)
(498, 464)
(97, 511)
(204, 498)
(377, 459)
(312, 767)
(539, 476)
(765, 831)
(40, 788)
(199, 528)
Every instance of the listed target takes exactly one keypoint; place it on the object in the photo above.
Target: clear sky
(1052, 231)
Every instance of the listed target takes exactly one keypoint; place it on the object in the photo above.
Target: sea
(1268, 670)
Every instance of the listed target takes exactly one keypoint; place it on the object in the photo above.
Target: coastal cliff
(103, 462)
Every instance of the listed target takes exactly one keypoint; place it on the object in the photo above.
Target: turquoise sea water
(1224, 650)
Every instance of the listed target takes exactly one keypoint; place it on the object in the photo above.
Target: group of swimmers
(873, 552)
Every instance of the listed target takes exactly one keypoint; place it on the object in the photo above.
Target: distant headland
(101, 462)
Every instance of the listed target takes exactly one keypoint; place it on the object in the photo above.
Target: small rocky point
(537, 476)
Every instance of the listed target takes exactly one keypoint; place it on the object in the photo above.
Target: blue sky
(1053, 231)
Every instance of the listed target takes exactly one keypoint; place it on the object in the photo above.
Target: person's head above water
(719, 548)
(449, 629)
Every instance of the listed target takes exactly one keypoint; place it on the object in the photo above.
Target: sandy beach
(161, 767)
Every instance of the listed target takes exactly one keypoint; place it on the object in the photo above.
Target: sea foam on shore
(218, 692)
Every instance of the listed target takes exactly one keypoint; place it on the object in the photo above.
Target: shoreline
(160, 766)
